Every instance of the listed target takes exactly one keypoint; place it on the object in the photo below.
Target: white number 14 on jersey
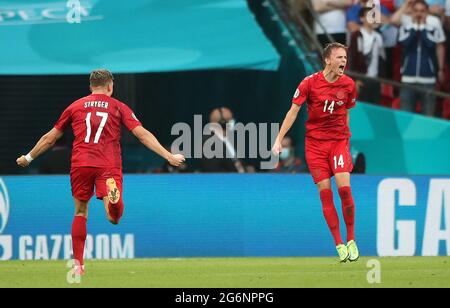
(330, 107)
(338, 162)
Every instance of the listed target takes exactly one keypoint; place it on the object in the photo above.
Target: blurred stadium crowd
(399, 40)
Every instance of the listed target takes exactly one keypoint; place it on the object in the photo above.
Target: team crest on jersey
(297, 93)
(340, 103)
(340, 95)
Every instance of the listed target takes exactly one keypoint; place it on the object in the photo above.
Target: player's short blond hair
(329, 49)
(100, 78)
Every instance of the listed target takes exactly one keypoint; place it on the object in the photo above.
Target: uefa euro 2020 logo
(5, 240)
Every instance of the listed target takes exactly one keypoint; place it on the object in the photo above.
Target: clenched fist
(176, 160)
(22, 161)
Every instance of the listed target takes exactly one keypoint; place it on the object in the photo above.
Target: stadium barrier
(224, 215)
(399, 142)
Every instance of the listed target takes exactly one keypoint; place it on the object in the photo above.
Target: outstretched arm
(46, 142)
(150, 141)
(289, 120)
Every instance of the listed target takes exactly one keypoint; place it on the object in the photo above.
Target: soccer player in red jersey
(329, 95)
(96, 157)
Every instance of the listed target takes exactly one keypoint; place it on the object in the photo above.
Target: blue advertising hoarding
(224, 215)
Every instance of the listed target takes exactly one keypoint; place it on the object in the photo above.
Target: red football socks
(116, 211)
(348, 209)
(330, 213)
(79, 234)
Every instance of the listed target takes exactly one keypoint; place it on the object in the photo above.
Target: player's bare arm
(289, 120)
(150, 141)
(45, 143)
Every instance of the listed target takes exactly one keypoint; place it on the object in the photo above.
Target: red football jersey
(327, 105)
(96, 122)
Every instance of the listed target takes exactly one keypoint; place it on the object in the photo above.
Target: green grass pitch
(231, 273)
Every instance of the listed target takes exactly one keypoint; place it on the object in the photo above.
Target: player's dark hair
(100, 78)
(329, 49)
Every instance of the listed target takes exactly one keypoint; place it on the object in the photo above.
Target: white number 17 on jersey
(104, 117)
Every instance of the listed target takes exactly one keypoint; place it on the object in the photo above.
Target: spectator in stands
(436, 7)
(331, 20)
(379, 15)
(228, 162)
(423, 41)
(367, 56)
(289, 163)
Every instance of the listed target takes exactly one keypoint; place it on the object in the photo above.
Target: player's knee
(345, 192)
(326, 196)
(324, 185)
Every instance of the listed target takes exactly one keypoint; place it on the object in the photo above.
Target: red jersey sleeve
(302, 93)
(352, 98)
(129, 119)
(64, 120)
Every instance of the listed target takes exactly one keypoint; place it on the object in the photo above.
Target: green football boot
(343, 253)
(352, 251)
